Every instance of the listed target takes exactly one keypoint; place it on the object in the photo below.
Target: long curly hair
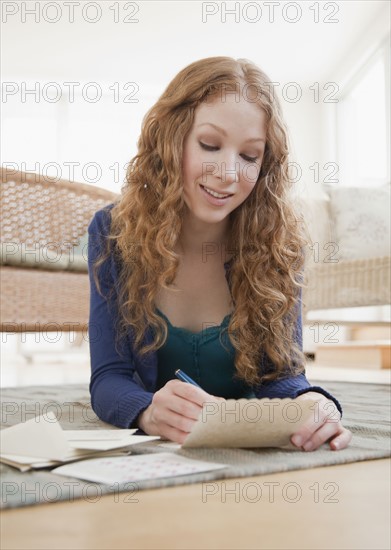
(266, 232)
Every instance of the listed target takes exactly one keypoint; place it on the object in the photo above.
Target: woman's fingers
(173, 434)
(308, 429)
(166, 417)
(175, 409)
(177, 404)
(321, 435)
(320, 426)
(188, 400)
(338, 436)
(190, 393)
(342, 440)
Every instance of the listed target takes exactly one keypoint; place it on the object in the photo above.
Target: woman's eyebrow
(222, 131)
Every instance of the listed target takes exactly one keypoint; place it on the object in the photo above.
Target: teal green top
(202, 356)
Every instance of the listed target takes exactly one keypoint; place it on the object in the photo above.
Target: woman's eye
(250, 159)
(211, 148)
(208, 147)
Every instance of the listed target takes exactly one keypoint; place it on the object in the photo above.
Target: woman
(203, 243)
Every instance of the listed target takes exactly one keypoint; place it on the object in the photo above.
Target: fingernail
(297, 440)
(308, 446)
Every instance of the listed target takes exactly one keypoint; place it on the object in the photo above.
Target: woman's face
(222, 153)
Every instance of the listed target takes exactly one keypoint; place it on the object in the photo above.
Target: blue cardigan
(122, 382)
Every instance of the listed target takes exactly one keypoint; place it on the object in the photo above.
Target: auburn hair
(267, 235)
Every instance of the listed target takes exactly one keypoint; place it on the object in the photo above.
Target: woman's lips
(214, 200)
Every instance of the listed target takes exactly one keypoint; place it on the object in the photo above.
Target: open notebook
(41, 442)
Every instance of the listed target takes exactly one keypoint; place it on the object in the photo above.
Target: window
(363, 134)
(80, 140)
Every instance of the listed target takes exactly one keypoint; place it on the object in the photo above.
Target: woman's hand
(323, 425)
(174, 410)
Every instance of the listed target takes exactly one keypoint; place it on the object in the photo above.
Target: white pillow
(361, 220)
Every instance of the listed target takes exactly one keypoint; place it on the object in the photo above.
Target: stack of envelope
(41, 442)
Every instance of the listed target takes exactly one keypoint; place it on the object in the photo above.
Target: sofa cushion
(316, 213)
(43, 257)
(78, 260)
(361, 221)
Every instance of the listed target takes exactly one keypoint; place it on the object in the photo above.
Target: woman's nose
(229, 170)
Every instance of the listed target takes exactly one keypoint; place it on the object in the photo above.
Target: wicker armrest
(51, 217)
(348, 283)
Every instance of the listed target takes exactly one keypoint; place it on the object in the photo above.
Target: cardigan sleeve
(116, 396)
(291, 386)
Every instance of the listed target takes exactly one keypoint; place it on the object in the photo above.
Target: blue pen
(182, 376)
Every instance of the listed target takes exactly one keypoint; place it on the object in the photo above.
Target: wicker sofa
(44, 277)
(44, 273)
(348, 264)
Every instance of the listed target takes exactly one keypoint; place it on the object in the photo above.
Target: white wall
(165, 36)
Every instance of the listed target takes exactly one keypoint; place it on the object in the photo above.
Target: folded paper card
(250, 423)
(24, 464)
(135, 468)
(41, 442)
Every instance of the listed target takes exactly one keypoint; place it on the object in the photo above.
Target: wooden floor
(337, 507)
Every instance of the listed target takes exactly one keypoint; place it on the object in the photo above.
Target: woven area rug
(366, 412)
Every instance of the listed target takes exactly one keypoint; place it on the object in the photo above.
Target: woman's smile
(217, 199)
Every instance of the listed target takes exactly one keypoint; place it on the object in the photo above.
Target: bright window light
(362, 130)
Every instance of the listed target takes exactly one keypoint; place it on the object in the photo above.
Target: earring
(145, 185)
